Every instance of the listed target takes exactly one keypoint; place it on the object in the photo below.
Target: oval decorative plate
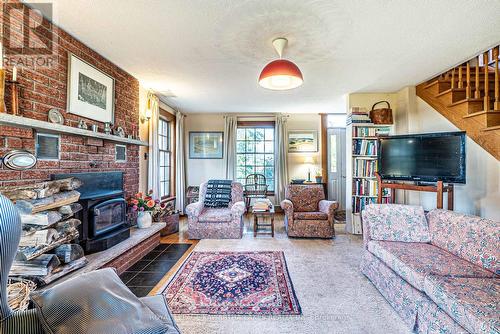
(55, 116)
(19, 160)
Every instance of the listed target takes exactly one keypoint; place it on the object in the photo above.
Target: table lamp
(309, 161)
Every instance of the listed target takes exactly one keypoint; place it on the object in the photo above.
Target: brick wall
(45, 87)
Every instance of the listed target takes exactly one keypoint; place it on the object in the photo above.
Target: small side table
(263, 215)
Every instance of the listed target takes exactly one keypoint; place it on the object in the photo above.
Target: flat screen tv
(428, 157)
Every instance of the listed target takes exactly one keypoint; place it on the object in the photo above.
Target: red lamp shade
(280, 74)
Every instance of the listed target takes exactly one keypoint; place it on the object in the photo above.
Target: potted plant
(319, 176)
(145, 206)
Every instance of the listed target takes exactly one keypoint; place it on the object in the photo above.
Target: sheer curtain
(154, 154)
(180, 170)
(281, 165)
(230, 128)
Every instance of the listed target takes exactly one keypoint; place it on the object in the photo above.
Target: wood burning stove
(104, 222)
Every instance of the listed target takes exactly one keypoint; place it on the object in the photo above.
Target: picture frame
(302, 141)
(206, 145)
(91, 92)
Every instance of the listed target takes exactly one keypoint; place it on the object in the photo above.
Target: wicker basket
(18, 292)
(382, 115)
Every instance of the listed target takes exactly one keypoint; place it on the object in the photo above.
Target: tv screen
(426, 157)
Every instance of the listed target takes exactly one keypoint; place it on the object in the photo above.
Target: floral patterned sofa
(438, 271)
(307, 213)
(217, 223)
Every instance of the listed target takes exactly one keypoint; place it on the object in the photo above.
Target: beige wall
(201, 170)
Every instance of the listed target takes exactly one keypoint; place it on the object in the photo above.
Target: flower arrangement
(142, 202)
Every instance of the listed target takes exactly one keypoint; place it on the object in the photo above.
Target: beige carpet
(335, 297)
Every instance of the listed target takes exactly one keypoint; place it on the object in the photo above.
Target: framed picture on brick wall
(91, 92)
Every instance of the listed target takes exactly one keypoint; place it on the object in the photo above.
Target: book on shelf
(358, 115)
(262, 205)
(370, 131)
(365, 168)
(359, 203)
(364, 147)
(363, 187)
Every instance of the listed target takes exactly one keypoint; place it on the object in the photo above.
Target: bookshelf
(362, 184)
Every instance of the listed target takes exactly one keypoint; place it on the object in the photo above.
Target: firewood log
(41, 237)
(40, 190)
(51, 202)
(67, 226)
(69, 252)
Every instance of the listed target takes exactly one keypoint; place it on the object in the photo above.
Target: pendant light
(280, 74)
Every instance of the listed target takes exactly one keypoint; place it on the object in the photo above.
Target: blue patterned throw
(218, 194)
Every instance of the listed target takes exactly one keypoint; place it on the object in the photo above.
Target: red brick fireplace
(45, 87)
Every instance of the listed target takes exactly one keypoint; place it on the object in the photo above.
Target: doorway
(336, 150)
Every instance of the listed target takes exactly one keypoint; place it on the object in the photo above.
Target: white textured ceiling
(209, 53)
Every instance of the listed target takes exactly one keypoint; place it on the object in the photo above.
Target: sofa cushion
(415, 261)
(395, 222)
(305, 197)
(472, 302)
(214, 215)
(469, 237)
(310, 215)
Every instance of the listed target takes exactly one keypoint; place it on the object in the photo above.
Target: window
(255, 152)
(47, 146)
(165, 157)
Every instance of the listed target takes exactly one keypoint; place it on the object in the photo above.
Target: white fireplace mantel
(25, 122)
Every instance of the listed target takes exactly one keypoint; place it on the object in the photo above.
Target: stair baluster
(496, 105)
(486, 101)
(467, 81)
(477, 93)
(460, 78)
(452, 79)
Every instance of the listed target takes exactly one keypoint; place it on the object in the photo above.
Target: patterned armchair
(307, 213)
(217, 223)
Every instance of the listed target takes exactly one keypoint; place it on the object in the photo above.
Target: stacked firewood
(47, 210)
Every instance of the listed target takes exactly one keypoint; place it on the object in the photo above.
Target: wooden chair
(255, 187)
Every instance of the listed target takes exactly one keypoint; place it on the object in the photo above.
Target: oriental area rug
(233, 283)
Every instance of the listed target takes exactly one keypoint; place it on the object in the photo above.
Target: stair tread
(451, 90)
(477, 113)
(492, 128)
(464, 101)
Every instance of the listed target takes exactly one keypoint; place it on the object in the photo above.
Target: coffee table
(262, 215)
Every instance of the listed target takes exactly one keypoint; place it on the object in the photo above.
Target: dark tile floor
(146, 273)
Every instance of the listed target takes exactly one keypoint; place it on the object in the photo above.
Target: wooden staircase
(469, 97)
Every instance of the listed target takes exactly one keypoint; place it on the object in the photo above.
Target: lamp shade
(281, 74)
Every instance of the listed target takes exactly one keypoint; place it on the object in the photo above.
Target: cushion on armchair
(395, 222)
(95, 303)
(310, 216)
(305, 198)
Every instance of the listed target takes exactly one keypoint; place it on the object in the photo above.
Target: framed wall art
(206, 145)
(302, 141)
(91, 92)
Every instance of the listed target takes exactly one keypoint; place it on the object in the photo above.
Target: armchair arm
(287, 206)
(238, 209)
(194, 209)
(328, 207)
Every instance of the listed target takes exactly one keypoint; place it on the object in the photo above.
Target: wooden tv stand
(439, 189)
